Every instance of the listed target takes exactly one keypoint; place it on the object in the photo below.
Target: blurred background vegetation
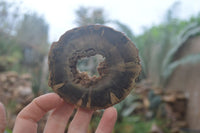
(24, 47)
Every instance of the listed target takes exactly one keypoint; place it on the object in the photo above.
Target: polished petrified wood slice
(117, 73)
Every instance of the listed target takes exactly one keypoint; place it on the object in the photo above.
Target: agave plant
(169, 65)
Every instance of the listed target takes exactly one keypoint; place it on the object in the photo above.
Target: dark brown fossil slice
(118, 71)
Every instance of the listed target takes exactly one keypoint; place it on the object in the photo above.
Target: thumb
(2, 118)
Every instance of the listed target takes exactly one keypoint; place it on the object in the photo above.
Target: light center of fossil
(90, 65)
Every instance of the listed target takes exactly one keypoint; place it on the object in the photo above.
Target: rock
(155, 129)
(15, 93)
(169, 98)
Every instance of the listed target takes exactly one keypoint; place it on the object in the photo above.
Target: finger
(2, 118)
(81, 121)
(108, 120)
(26, 121)
(58, 119)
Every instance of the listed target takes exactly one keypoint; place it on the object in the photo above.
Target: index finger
(27, 119)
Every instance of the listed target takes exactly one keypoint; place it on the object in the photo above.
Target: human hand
(2, 118)
(27, 119)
